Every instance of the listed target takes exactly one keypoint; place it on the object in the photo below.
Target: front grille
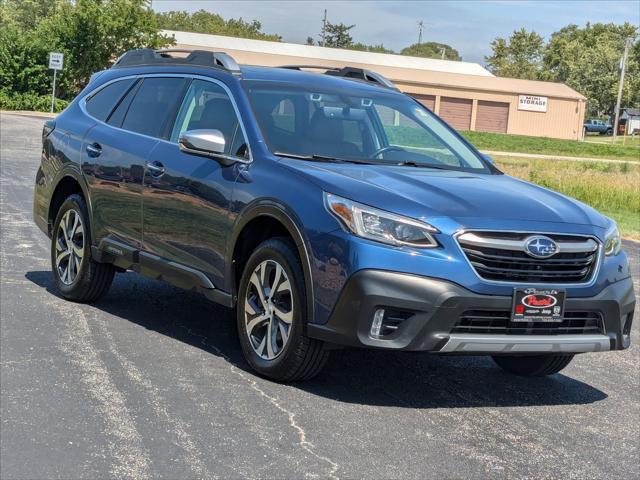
(498, 322)
(501, 256)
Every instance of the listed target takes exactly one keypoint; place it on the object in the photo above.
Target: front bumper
(429, 309)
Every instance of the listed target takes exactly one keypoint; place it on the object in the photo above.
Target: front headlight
(374, 224)
(612, 240)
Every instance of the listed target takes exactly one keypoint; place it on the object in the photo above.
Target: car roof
(310, 79)
(281, 75)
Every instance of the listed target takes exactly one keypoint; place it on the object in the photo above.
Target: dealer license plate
(538, 305)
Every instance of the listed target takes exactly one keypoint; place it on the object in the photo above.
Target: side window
(100, 104)
(154, 105)
(207, 106)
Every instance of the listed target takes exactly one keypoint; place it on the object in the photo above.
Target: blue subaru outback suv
(329, 210)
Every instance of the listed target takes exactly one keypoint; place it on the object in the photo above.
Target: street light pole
(623, 65)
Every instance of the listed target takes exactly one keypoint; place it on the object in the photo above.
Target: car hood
(426, 193)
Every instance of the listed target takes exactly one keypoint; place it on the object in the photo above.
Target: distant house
(630, 118)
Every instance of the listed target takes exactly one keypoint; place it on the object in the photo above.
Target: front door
(186, 197)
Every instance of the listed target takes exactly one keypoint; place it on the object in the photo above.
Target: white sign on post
(532, 103)
(56, 60)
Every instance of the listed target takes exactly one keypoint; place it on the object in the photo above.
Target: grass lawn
(611, 188)
(551, 146)
(601, 139)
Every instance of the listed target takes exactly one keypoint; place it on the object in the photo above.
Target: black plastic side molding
(152, 266)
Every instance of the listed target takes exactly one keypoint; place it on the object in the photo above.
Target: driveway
(150, 382)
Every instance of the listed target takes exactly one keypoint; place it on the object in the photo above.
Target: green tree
(519, 57)
(370, 48)
(91, 34)
(431, 50)
(337, 35)
(587, 59)
(212, 23)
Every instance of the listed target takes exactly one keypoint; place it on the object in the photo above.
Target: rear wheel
(272, 313)
(75, 274)
(533, 365)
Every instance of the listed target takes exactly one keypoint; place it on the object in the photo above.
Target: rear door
(116, 151)
(186, 197)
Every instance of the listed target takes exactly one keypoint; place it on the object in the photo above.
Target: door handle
(94, 150)
(156, 169)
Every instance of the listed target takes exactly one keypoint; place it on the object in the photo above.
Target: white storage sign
(532, 103)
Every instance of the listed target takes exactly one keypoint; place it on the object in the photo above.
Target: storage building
(464, 94)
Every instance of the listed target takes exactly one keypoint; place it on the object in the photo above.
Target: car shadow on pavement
(378, 378)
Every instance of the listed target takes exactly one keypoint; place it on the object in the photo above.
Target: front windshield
(349, 125)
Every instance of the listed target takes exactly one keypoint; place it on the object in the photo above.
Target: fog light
(376, 325)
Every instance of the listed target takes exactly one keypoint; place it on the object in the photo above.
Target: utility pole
(442, 52)
(420, 26)
(324, 27)
(623, 65)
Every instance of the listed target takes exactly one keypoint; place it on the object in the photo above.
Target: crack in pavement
(305, 444)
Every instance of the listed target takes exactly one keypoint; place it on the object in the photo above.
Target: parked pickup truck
(597, 126)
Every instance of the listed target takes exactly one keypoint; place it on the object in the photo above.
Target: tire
(534, 365)
(75, 274)
(609, 132)
(290, 356)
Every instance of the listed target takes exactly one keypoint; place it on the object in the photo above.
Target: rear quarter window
(100, 104)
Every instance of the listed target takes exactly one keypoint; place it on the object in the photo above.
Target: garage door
(428, 101)
(492, 117)
(456, 112)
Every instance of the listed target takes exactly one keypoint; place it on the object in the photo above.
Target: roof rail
(348, 72)
(202, 58)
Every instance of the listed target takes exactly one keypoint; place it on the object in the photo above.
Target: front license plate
(538, 305)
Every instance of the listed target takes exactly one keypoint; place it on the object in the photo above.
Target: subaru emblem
(540, 247)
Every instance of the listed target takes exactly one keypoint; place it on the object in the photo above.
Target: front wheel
(272, 313)
(533, 365)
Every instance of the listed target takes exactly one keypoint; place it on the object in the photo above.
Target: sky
(467, 25)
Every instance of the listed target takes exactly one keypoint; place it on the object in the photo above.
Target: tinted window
(101, 103)
(117, 116)
(207, 106)
(154, 106)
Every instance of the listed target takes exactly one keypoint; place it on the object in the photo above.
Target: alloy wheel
(69, 246)
(268, 309)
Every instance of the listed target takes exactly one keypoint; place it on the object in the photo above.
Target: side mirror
(487, 158)
(202, 142)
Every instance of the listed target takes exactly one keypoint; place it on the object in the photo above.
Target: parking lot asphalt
(150, 383)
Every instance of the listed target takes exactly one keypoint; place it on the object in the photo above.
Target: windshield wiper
(321, 158)
(410, 163)
(325, 158)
